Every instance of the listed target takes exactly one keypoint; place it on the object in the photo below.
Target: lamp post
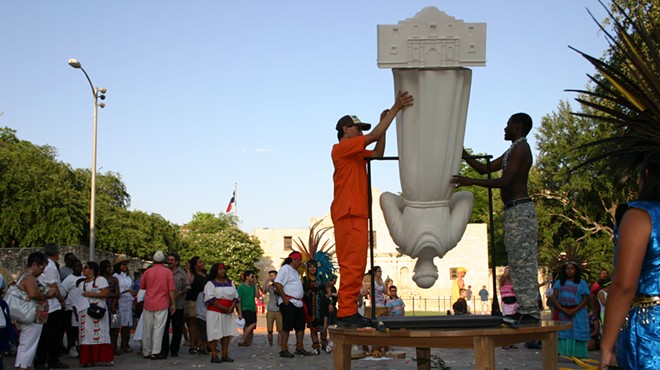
(97, 93)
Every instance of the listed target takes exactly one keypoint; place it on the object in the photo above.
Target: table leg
(423, 359)
(342, 354)
(484, 353)
(549, 350)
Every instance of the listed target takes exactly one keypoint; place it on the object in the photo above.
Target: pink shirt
(158, 281)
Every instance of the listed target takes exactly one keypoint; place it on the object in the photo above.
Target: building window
(452, 273)
(288, 243)
(374, 236)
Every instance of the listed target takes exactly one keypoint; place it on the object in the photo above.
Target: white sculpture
(427, 53)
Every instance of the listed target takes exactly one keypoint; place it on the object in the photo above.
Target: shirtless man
(520, 228)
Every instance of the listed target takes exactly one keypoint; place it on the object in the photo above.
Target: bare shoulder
(635, 217)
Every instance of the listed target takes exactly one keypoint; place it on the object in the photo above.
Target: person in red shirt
(158, 282)
(349, 210)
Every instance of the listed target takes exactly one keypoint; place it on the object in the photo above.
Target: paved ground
(261, 357)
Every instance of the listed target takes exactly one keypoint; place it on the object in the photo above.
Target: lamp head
(74, 63)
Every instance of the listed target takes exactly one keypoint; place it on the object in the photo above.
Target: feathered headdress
(627, 97)
(322, 253)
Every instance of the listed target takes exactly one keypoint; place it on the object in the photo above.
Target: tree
(43, 200)
(574, 207)
(137, 233)
(40, 198)
(218, 239)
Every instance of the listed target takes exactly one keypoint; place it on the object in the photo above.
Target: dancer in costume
(317, 307)
(571, 297)
(221, 298)
(632, 317)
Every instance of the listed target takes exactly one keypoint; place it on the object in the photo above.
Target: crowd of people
(88, 310)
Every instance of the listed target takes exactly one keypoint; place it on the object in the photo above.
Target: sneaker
(73, 352)
(227, 359)
(354, 321)
(315, 352)
(328, 348)
(286, 354)
(216, 360)
(302, 352)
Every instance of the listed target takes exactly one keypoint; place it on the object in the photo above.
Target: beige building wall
(471, 253)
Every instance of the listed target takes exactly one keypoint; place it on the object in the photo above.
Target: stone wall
(14, 260)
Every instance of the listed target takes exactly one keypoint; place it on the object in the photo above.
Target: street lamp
(97, 93)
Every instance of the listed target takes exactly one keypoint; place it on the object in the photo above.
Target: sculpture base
(439, 322)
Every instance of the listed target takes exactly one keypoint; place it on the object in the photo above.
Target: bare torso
(519, 164)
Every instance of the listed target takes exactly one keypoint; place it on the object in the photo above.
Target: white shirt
(95, 286)
(70, 289)
(74, 297)
(289, 278)
(125, 282)
(49, 277)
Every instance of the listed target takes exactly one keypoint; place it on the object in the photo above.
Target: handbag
(21, 308)
(95, 311)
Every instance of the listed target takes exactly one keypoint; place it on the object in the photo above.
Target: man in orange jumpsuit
(350, 208)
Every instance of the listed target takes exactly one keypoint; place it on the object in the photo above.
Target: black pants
(49, 348)
(71, 331)
(177, 332)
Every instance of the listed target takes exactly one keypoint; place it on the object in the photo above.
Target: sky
(203, 96)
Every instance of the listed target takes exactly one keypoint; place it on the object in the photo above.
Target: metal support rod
(371, 232)
(495, 306)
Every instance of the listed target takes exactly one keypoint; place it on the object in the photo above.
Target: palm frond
(626, 96)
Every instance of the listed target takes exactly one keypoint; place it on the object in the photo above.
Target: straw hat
(461, 269)
(120, 260)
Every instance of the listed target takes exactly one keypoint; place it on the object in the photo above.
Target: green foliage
(136, 233)
(218, 239)
(40, 198)
(43, 200)
(575, 209)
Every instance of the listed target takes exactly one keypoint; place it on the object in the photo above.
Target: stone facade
(13, 260)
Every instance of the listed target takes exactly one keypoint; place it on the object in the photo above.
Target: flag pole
(235, 200)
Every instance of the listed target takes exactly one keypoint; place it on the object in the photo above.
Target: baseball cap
(352, 121)
(159, 257)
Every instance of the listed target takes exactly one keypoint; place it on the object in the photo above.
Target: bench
(482, 340)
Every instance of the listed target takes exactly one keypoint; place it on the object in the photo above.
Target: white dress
(125, 299)
(220, 325)
(94, 331)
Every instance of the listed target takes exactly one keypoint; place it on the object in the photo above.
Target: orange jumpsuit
(350, 212)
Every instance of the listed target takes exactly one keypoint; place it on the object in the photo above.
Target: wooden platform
(482, 340)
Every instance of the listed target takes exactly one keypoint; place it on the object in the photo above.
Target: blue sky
(206, 94)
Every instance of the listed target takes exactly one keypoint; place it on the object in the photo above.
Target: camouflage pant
(520, 240)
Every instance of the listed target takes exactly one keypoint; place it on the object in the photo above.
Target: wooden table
(483, 340)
